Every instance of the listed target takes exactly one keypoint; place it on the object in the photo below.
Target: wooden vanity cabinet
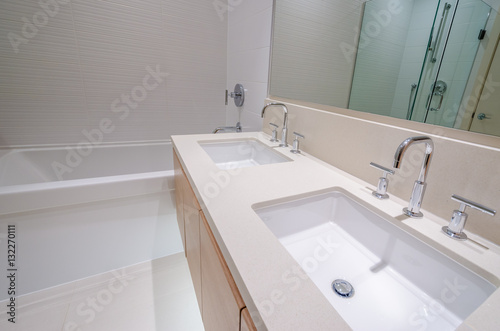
(179, 179)
(221, 299)
(188, 219)
(246, 321)
(192, 211)
(220, 302)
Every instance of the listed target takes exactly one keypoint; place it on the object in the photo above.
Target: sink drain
(343, 288)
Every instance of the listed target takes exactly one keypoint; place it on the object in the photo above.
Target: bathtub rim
(64, 145)
(5, 152)
(34, 196)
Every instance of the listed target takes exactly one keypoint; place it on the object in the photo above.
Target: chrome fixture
(274, 134)
(236, 128)
(438, 88)
(285, 120)
(343, 288)
(238, 95)
(482, 116)
(295, 149)
(457, 223)
(408, 113)
(383, 182)
(417, 194)
(434, 46)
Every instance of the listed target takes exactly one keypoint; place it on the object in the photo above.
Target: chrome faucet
(285, 121)
(417, 194)
(459, 218)
(236, 128)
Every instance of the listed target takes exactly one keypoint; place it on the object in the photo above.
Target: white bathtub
(113, 207)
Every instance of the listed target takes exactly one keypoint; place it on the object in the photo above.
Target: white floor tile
(152, 296)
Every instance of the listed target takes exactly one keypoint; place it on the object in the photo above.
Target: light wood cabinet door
(218, 296)
(191, 210)
(221, 299)
(246, 321)
(179, 180)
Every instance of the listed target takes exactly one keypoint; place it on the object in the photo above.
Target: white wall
(64, 244)
(495, 4)
(455, 66)
(248, 49)
(420, 26)
(84, 55)
(312, 63)
(459, 57)
(380, 53)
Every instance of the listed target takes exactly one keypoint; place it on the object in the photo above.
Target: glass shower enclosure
(422, 59)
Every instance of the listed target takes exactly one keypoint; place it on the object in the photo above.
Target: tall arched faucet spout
(417, 195)
(285, 121)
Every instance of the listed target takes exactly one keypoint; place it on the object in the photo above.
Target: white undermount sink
(241, 153)
(398, 281)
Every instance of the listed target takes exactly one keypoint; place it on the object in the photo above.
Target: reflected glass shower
(453, 44)
(417, 65)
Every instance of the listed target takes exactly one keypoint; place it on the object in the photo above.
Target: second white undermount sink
(241, 153)
(386, 278)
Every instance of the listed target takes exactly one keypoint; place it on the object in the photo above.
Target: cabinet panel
(192, 225)
(179, 180)
(218, 296)
(246, 321)
(221, 309)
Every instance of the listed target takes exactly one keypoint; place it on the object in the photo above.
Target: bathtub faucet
(285, 121)
(417, 194)
(236, 128)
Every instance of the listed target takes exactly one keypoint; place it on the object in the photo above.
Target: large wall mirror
(428, 61)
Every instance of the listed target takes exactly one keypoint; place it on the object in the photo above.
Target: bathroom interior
(137, 153)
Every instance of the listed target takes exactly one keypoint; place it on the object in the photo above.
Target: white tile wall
(471, 16)
(380, 54)
(420, 25)
(495, 4)
(458, 60)
(310, 53)
(248, 50)
(84, 55)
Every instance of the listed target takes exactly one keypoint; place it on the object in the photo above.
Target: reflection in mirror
(435, 44)
(314, 50)
(422, 60)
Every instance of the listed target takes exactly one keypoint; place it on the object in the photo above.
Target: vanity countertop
(267, 276)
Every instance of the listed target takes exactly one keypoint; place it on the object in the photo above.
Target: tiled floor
(151, 296)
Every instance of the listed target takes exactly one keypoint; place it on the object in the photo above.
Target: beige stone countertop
(262, 267)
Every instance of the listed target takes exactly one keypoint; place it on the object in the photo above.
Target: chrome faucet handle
(383, 182)
(295, 149)
(459, 218)
(274, 134)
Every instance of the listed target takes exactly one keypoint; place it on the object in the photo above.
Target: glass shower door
(443, 83)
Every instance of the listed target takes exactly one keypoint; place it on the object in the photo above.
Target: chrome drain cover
(343, 288)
